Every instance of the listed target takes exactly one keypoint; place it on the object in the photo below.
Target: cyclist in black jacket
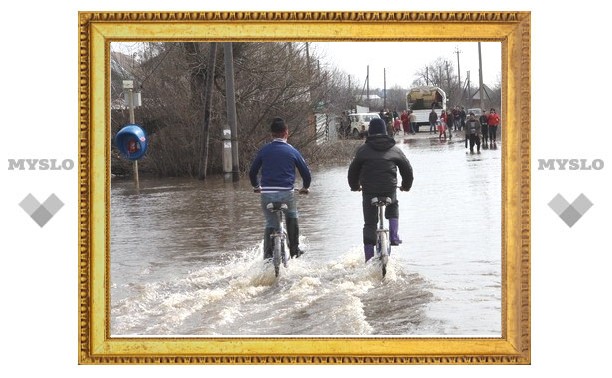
(374, 172)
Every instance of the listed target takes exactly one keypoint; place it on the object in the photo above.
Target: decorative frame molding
(98, 29)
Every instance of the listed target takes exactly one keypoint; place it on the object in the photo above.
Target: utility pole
(129, 85)
(368, 85)
(230, 98)
(384, 88)
(312, 121)
(210, 74)
(480, 83)
(448, 81)
(349, 83)
(469, 90)
(309, 72)
(457, 51)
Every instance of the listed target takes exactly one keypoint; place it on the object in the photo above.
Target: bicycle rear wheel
(384, 251)
(276, 256)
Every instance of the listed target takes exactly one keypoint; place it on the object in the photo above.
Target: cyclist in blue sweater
(277, 161)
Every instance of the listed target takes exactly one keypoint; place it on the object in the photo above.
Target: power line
(159, 62)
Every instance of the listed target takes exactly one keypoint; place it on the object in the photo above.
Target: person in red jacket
(493, 122)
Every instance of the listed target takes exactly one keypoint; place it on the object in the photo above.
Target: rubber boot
(368, 251)
(393, 232)
(293, 234)
(267, 244)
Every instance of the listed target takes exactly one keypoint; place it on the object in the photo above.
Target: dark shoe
(297, 253)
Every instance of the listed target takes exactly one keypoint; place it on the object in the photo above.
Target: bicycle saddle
(277, 206)
(381, 201)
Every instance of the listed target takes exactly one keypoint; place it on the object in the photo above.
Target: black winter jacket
(375, 164)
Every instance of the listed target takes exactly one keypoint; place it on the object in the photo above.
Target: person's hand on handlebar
(304, 191)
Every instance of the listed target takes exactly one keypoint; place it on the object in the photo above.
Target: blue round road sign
(132, 142)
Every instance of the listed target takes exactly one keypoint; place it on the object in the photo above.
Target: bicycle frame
(383, 246)
(280, 252)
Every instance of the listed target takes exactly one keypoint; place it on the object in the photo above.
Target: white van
(477, 112)
(360, 123)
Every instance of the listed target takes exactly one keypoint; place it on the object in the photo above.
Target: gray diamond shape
(558, 204)
(53, 204)
(41, 216)
(29, 204)
(582, 204)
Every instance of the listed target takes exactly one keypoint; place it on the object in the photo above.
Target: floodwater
(186, 256)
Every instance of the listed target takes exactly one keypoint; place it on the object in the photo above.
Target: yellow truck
(421, 100)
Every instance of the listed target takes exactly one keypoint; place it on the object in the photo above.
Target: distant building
(374, 101)
(487, 95)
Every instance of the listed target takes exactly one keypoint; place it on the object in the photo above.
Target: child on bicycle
(374, 172)
(278, 161)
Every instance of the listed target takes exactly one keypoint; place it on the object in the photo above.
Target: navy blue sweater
(277, 161)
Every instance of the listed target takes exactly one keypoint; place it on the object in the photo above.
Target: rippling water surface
(186, 256)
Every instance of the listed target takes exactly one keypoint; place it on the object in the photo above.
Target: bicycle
(280, 248)
(383, 245)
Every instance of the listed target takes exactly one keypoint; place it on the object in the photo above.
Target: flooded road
(186, 256)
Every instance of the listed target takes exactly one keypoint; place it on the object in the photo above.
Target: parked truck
(421, 100)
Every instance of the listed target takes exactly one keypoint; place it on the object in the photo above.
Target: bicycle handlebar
(300, 191)
(399, 187)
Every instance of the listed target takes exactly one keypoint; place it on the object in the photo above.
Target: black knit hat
(377, 126)
(278, 125)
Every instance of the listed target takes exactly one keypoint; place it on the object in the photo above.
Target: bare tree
(439, 73)
(271, 79)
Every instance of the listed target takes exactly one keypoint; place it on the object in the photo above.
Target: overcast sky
(401, 60)
(398, 60)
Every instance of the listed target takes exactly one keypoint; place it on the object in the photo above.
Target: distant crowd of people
(454, 119)
(482, 130)
(405, 122)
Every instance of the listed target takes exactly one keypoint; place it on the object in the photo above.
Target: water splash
(242, 296)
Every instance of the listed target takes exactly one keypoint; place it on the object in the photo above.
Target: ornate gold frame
(98, 29)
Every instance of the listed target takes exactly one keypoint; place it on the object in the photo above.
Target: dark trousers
(370, 214)
(492, 133)
(474, 140)
(485, 132)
